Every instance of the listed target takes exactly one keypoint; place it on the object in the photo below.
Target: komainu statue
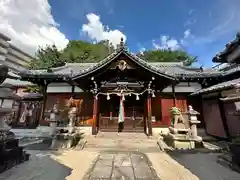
(179, 122)
(74, 108)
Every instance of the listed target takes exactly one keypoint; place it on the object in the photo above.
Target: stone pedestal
(179, 138)
(183, 132)
(179, 141)
(53, 128)
(10, 152)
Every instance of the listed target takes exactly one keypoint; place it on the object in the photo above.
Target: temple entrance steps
(112, 141)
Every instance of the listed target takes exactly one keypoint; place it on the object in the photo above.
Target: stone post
(72, 119)
(53, 124)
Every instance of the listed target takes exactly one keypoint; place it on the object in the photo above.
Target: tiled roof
(16, 83)
(230, 47)
(114, 55)
(176, 69)
(217, 87)
(170, 69)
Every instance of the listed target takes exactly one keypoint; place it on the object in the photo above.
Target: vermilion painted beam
(94, 118)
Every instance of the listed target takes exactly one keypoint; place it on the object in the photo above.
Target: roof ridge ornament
(238, 36)
(121, 45)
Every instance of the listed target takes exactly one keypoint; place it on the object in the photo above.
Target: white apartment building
(12, 56)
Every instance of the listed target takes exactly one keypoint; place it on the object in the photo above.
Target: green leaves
(168, 56)
(76, 51)
(46, 58)
(81, 52)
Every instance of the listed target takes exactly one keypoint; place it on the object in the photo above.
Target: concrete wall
(12, 56)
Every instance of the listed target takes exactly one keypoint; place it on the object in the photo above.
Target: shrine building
(147, 91)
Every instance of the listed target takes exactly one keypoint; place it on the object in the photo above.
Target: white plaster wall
(61, 88)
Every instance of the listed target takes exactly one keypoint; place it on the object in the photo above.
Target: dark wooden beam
(223, 116)
(174, 95)
(73, 90)
(44, 88)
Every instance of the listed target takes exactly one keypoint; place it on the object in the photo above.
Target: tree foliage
(168, 55)
(82, 51)
(46, 58)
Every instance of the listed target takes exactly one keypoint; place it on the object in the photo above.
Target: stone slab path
(121, 165)
(124, 157)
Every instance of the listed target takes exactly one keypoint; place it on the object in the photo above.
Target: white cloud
(98, 32)
(141, 51)
(30, 24)
(187, 36)
(167, 42)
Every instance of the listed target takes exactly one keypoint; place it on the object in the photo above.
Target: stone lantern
(10, 152)
(193, 121)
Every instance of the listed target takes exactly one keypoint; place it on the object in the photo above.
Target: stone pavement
(121, 165)
(119, 158)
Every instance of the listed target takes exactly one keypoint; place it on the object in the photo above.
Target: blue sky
(201, 27)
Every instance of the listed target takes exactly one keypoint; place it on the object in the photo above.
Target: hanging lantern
(153, 95)
(137, 97)
(108, 97)
(123, 97)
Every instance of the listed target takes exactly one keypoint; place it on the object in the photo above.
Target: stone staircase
(111, 141)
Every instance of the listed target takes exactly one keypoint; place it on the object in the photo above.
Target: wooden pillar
(94, 118)
(73, 91)
(44, 101)
(149, 110)
(174, 95)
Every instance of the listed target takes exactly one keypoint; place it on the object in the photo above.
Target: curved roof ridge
(166, 63)
(191, 68)
(59, 68)
(69, 64)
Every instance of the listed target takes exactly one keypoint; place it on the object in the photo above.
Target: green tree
(81, 51)
(167, 56)
(46, 58)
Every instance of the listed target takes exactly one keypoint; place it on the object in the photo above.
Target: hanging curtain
(121, 111)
